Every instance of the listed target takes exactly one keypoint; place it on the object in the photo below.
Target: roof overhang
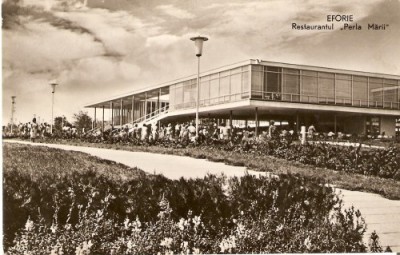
(246, 109)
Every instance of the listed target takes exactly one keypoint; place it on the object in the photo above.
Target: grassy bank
(63, 202)
(388, 188)
(27, 171)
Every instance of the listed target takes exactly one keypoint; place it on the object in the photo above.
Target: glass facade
(334, 88)
(287, 84)
(360, 91)
(217, 88)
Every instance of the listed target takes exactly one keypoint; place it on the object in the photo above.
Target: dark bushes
(84, 210)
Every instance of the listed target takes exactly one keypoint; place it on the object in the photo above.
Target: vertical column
(158, 101)
(318, 87)
(334, 87)
(133, 108)
(281, 90)
(145, 105)
(102, 122)
(352, 90)
(300, 85)
(245, 123)
(257, 123)
(94, 124)
(368, 91)
(230, 119)
(127, 115)
(263, 86)
(297, 122)
(112, 115)
(121, 112)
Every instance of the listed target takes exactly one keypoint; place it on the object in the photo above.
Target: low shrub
(82, 210)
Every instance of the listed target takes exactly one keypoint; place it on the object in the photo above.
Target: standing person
(161, 133)
(192, 130)
(34, 130)
(246, 134)
(168, 131)
(225, 130)
(144, 132)
(137, 131)
(42, 130)
(177, 134)
(311, 130)
(154, 131)
(271, 129)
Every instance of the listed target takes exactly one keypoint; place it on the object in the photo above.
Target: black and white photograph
(200, 127)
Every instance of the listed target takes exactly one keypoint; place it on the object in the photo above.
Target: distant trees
(82, 121)
(60, 122)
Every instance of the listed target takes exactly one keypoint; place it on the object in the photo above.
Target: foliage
(87, 210)
(59, 123)
(383, 163)
(82, 121)
(33, 178)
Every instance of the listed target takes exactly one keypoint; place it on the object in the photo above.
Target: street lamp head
(198, 42)
(53, 85)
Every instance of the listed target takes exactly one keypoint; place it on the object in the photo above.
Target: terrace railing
(152, 116)
(343, 101)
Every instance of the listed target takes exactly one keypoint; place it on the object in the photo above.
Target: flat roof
(129, 94)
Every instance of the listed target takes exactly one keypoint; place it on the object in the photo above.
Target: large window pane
(390, 96)
(343, 89)
(214, 90)
(224, 88)
(309, 90)
(172, 100)
(256, 84)
(236, 86)
(187, 91)
(193, 95)
(326, 88)
(375, 92)
(272, 81)
(360, 91)
(291, 85)
(245, 84)
(204, 90)
(179, 94)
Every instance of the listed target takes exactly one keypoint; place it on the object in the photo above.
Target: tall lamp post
(53, 87)
(198, 42)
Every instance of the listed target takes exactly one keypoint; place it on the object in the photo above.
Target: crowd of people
(34, 131)
(183, 132)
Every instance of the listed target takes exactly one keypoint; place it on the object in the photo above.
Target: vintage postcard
(200, 127)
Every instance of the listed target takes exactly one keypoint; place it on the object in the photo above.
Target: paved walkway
(381, 214)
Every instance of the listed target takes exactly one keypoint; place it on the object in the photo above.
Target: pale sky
(101, 48)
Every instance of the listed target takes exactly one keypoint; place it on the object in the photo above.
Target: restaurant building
(257, 91)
